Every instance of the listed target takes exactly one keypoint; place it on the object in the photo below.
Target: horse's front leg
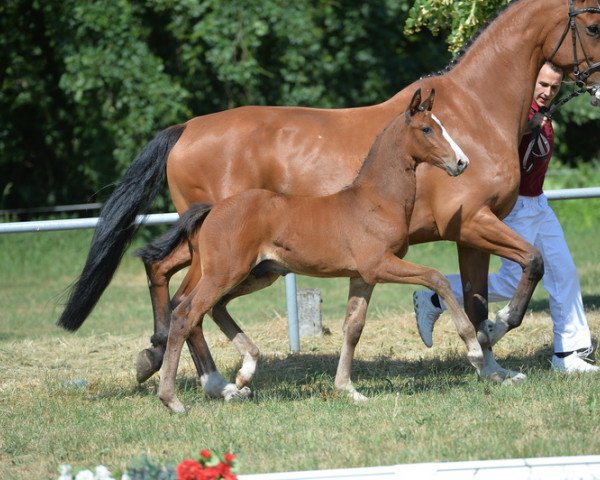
(474, 266)
(488, 234)
(354, 322)
(159, 273)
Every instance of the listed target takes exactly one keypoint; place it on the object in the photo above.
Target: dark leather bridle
(580, 77)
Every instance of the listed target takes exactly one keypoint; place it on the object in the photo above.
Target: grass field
(72, 398)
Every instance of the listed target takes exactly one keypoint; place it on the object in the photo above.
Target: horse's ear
(428, 104)
(415, 102)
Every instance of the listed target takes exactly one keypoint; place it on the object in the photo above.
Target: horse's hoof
(176, 406)
(234, 394)
(516, 379)
(147, 364)
(357, 397)
(485, 331)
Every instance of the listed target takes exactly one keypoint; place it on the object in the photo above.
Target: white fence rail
(166, 218)
(546, 468)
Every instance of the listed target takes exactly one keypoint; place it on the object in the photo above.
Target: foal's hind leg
(354, 322)
(159, 274)
(186, 320)
(186, 316)
(396, 270)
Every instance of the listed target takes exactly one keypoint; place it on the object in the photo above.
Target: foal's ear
(428, 104)
(415, 103)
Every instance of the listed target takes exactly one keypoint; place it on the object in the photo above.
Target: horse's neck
(501, 66)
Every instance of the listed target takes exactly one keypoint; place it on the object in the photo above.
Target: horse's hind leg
(213, 383)
(354, 322)
(159, 274)
(248, 350)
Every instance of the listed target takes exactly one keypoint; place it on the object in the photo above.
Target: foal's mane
(372, 152)
(472, 40)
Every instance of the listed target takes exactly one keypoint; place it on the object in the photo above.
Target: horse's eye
(593, 30)
(427, 130)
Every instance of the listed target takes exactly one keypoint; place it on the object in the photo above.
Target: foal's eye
(593, 30)
(427, 130)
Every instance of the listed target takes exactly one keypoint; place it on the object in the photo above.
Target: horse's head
(574, 45)
(428, 139)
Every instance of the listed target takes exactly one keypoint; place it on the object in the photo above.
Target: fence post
(292, 311)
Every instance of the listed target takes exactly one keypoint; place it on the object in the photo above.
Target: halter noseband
(580, 77)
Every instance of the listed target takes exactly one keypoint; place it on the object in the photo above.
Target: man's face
(546, 86)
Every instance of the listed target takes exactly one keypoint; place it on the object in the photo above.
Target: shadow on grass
(308, 375)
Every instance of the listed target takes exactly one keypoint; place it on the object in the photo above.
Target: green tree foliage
(86, 84)
(459, 19)
(80, 93)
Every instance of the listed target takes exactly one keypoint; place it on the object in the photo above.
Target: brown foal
(360, 232)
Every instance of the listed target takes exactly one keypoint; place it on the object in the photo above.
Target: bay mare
(360, 232)
(484, 99)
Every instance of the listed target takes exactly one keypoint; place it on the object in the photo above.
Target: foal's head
(427, 139)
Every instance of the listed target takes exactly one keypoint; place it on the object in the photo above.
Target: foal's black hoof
(147, 364)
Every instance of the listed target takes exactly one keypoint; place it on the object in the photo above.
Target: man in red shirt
(535, 221)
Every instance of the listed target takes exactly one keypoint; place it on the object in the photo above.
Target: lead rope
(535, 124)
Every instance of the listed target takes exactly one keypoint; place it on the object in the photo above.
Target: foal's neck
(388, 169)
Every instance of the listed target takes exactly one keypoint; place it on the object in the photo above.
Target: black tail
(134, 195)
(180, 232)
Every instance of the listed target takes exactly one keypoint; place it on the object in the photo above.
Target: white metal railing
(166, 218)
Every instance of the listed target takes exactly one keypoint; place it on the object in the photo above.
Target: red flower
(208, 467)
(189, 470)
(205, 454)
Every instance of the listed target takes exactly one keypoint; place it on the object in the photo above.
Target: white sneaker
(427, 314)
(573, 363)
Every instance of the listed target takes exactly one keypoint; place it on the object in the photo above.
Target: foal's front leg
(354, 322)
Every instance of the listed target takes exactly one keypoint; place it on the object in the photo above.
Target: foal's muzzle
(461, 164)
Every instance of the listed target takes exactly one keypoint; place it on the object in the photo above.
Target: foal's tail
(116, 227)
(180, 232)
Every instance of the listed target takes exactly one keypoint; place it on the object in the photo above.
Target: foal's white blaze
(460, 155)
